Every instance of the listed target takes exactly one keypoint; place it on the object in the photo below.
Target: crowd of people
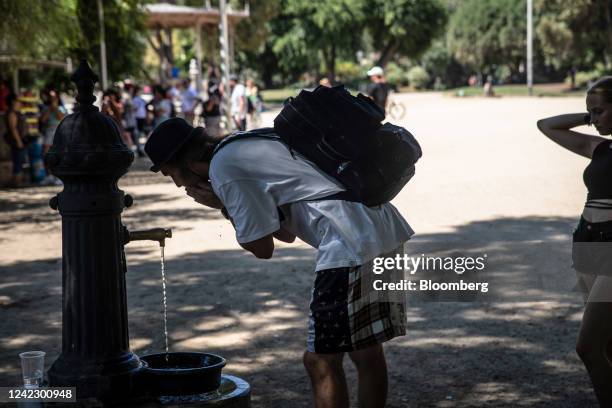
(28, 131)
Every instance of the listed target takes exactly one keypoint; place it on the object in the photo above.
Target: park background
(488, 182)
(293, 43)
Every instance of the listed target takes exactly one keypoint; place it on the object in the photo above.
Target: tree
(439, 62)
(124, 30)
(300, 34)
(574, 32)
(38, 29)
(485, 33)
(404, 27)
(326, 25)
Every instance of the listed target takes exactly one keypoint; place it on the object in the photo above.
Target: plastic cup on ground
(32, 368)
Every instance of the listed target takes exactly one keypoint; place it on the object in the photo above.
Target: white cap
(376, 71)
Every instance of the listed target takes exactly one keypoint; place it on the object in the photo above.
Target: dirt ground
(488, 183)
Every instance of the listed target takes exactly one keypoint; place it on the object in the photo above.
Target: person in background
(51, 115)
(139, 106)
(473, 80)
(113, 107)
(5, 90)
(189, 100)
(378, 90)
(15, 137)
(594, 345)
(129, 116)
(488, 87)
(254, 105)
(212, 109)
(325, 82)
(238, 103)
(162, 106)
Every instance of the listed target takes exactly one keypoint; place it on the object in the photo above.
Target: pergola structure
(19, 62)
(165, 17)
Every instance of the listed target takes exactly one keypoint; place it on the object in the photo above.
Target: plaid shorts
(342, 319)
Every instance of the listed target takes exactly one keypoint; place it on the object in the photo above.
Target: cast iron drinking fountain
(89, 156)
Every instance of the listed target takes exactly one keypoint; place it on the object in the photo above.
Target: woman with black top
(594, 345)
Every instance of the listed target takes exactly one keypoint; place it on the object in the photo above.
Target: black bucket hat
(166, 140)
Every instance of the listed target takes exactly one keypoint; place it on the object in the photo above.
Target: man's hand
(203, 193)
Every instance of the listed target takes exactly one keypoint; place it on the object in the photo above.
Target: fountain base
(180, 373)
(233, 392)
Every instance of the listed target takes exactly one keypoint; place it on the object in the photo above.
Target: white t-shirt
(255, 176)
(140, 106)
(238, 92)
(188, 99)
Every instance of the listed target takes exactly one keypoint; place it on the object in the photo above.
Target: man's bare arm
(284, 235)
(262, 248)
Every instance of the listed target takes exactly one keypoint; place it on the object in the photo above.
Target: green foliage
(348, 72)
(404, 27)
(302, 35)
(487, 34)
(584, 77)
(418, 77)
(440, 63)
(56, 29)
(327, 27)
(573, 32)
(252, 33)
(483, 33)
(124, 29)
(36, 29)
(502, 73)
(312, 35)
(396, 74)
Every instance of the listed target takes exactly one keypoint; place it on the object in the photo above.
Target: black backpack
(343, 135)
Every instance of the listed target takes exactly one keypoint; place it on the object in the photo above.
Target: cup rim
(32, 354)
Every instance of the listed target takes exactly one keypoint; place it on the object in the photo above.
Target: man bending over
(269, 192)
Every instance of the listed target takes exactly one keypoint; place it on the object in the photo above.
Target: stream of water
(163, 274)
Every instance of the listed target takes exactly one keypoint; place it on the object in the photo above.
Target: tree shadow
(507, 351)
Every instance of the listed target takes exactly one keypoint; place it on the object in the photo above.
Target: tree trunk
(161, 54)
(387, 53)
(330, 62)
(169, 54)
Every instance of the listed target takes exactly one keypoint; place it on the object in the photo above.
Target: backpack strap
(263, 132)
(341, 195)
(271, 134)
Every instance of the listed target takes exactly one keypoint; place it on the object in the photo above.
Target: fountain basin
(180, 373)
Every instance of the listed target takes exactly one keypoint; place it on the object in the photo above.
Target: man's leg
(328, 380)
(372, 371)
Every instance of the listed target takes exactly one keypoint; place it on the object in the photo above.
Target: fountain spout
(155, 234)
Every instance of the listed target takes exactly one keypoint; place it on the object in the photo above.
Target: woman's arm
(44, 118)
(557, 129)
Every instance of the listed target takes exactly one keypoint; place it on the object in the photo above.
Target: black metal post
(89, 156)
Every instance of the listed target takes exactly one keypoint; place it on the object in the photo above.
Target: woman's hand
(203, 193)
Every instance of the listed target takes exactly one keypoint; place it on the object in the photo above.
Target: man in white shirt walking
(238, 103)
(189, 99)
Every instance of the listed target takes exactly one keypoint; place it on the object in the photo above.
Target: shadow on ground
(507, 352)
